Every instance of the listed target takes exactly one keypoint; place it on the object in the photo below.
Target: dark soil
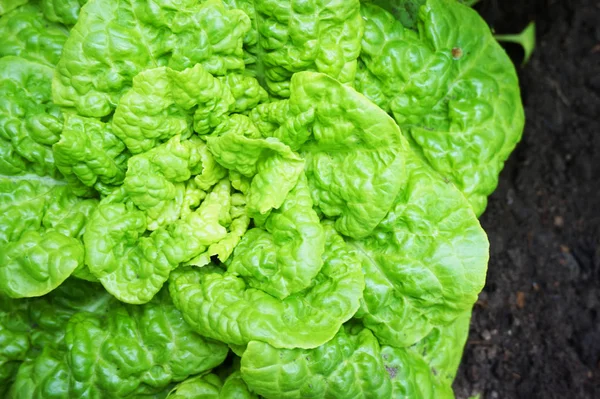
(535, 331)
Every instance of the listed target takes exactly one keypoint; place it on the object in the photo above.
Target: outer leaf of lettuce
(38, 263)
(44, 376)
(405, 11)
(425, 263)
(210, 386)
(220, 305)
(452, 90)
(113, 42)
(29, 122)
(127, 351)
(348, 366)
(410, 375)
(29, 325)
(442, 350)
(40, 225)
(63, 11)
(50, 313)
(25, 32)
(8, 5)
(310, 35)
(14, 338)
(351, 365)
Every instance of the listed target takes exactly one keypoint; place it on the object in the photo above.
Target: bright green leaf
(220, 305)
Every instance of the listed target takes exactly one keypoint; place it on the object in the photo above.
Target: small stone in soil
(520, 299)
(559, 221)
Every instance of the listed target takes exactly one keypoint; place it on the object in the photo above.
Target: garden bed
(535, 331)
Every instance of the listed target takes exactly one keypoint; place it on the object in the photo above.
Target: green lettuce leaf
(29, 122)
(155, 180)
(89, 153)
(426, 262)
(29, 325)
(8, 5)
(405, 11)
(284, 255)
(352, 365)
(113, 42)
(220, 305)
(235, 216)
(313, 36)
(14, 338)
(211, 386)
(246, 90)
(442, 350)
(133, 265)
(41, 223)
(273, 167)
(453, 91)
(125, 351)
(348, 366)
(353, 162)
(63, 11)
(162, 102)
(25, 32)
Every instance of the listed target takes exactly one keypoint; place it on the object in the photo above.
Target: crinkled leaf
(14, 338)
(442, 349)
(451, 88)
(155, 179)
(38, 262)
(211, 172)
(309, 35)
(348, 366)
(405, 11)
(126, 351)
(8, 5)
(211, 386)
(273, 167)
(426, 262)
(350, 146)
(113, 42)
(284, 255)
(88, 152)
(50, 313)
(133, 265)
(223, 248)
(351, 365)
(410, 374)
(63, 11)
(29, 325)
(248, 93)
(220, 305)
(164, 103)
(41, 222)
(26, 33)
(29, 122)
